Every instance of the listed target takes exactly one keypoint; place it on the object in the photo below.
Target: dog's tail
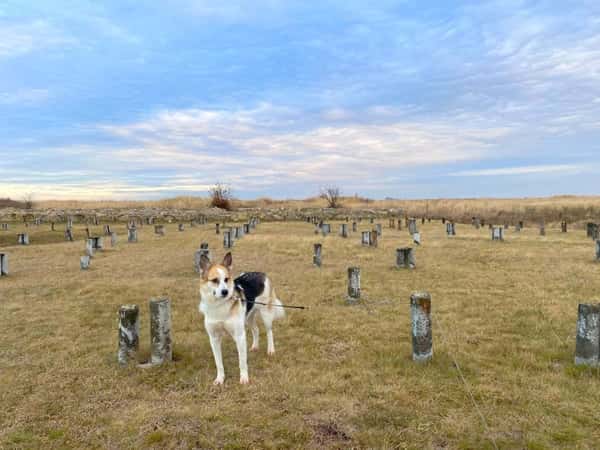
(278, 311)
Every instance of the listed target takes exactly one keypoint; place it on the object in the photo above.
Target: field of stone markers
(503, 317)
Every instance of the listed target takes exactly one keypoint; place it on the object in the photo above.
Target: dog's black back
(250, 285)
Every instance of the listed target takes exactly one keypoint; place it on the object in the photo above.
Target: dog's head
(216, 278)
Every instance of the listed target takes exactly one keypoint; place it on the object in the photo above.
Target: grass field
(342, 377)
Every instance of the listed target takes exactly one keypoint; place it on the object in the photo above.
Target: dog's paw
(271, 352)
(218, 381)
(244, 379)
(254, 349)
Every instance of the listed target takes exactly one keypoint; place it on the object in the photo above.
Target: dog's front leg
(240, 342)
(215, 344)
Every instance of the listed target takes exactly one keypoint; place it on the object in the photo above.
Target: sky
(404, 99)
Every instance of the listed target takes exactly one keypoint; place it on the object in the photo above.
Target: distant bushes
(9, 203)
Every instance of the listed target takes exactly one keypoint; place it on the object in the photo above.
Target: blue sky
(407, 99)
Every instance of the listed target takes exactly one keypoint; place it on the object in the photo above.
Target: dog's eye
(226, 280)
(214, 280)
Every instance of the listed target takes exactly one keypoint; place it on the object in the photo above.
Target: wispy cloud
(23, 97)
(524, 170)
(21, 38)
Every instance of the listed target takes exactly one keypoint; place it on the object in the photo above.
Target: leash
(281, 306)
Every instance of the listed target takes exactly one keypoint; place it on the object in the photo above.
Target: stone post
(587, 343)
(227, 239)
(353, 284)
(417, 238)
(113, 239)
(405, 258)
(317, 255)
(374, 238)
(344, 230)
(84, 262)
(129, 332)
(89, 247)
(412, 225)
(3, 264)
(160, 330)
(132, 235)
(420, 312)
(23, 239)
(497, 234)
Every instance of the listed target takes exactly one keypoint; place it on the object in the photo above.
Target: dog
(228, 305)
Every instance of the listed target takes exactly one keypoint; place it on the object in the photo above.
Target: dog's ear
(228, 261)
(204, 264)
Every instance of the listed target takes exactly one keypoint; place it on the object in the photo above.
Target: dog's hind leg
(255, 332)
(267, 318)
(215, 344)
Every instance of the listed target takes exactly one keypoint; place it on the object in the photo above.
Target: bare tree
(28, 200)
(331, 195)
(220, 196)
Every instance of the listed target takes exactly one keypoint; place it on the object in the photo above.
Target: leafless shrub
(331, 195)
(220, 196)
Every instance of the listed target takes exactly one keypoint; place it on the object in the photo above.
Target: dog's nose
(224, 292)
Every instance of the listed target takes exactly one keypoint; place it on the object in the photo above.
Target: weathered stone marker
(497, 234)
(366, 238)
(563, 226)
(420, 313)
(246, 227)
(598, 250)
(542, 229)
(113, 239)
(97, 242)
(227, 239)
(89, 247)
(3, 264)
(450, 229)
(4, 227)
(378, 229)
(132, 235)
(129, 333)
(412, 225)
(107, 230)
(354, 227)
(217, 228)
(159, 229)
(374, 238)
(23, 239)
(344, 230)
(405, 258)
(84, 262)
(417, 238)
(198, 256)
(353, 285)
(160, 330)
(325, 229)
(69, 235)
(180, 227)
(317, 255)
(587, 344)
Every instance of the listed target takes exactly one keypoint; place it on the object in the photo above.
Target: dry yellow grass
(342, 376)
